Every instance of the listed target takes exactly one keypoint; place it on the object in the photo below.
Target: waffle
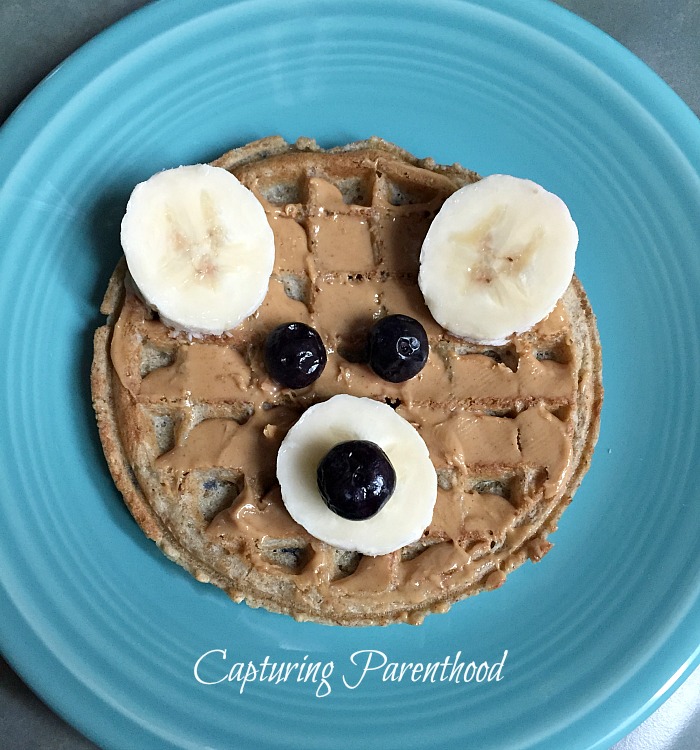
(191, 427)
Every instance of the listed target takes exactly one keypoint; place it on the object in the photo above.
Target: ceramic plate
(106, 629)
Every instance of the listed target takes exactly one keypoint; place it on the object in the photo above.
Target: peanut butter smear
(497, 420)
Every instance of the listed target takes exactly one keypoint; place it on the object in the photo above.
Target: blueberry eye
(398, 348)
(355, 479)
(294, 355)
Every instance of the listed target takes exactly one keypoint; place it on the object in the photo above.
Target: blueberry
(356, 479)
(294, 355)
(398, 348)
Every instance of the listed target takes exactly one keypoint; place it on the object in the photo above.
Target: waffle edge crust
(500, 512)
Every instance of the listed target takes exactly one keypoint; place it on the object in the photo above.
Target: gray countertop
(36, 35)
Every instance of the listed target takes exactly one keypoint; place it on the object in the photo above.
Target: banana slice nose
(497, 258)
(341, 418)
(199, 248)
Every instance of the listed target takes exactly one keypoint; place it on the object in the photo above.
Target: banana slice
(199, 247)
(497, 258)
(408, 511)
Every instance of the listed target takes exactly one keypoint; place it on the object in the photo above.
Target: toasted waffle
(191, 427)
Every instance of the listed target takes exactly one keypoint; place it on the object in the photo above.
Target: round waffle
(191, 427)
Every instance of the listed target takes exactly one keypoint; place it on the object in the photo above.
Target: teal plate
(104, 627)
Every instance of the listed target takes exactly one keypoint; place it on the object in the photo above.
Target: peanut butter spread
(326, 276)
(201, 421)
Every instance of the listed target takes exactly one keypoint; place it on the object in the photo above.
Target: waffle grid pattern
(347, 254)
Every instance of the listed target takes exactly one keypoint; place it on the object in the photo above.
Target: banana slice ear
(497, 258)
(199, 247)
